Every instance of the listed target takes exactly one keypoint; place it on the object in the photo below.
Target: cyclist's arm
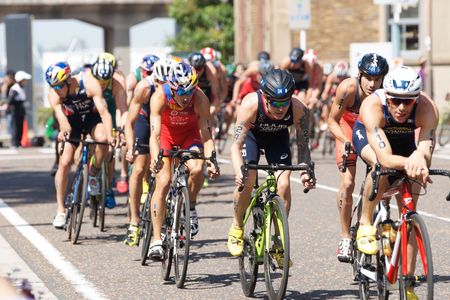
(202, 108)
(285, 63)
(371, 112)
(156, 109)
(212, 77)
(141, 95)
(120, 99)
(326, 90)
(130, 84)
(252, 70)
(246, 116)
(344, 93)
(427, 117)
(301, 130)
(56, 105)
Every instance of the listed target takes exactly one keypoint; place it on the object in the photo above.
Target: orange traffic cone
(25, 142)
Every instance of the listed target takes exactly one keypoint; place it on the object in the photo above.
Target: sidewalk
(18, 272)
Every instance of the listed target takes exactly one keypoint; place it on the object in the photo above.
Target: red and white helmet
(209, 53)
(310, 55)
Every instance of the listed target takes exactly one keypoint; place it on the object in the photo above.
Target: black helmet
(263, 55)
(197, 60)
(373, 64)
(265, 66)
(296, 55)
(102, 69)
(278, 84)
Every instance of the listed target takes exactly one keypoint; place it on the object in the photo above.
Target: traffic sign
(299, 14)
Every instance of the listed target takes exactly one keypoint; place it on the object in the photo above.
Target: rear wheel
(147, 227)
(166, 263)
(276, 250)
(80, 204)
(444, 135)
(248, 265)
(183, 236)
(422, 281)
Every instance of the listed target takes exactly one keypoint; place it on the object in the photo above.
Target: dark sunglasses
(279, 104)
(398, 101)
(182, 92)
(58, 87)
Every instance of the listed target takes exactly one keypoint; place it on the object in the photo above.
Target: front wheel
(276, 250)
(182, 227)
(248, 265)
(80, 204)
(147, 228)
(422, 280)
(102, 200)
(444, 135)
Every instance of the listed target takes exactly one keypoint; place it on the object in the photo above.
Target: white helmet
(341, 69)
(403, 82)
(161, 69)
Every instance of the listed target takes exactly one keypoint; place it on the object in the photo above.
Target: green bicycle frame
(263, 234)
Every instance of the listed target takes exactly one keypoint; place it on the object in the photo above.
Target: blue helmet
(57, 73)
(373, 64)
(148, 61)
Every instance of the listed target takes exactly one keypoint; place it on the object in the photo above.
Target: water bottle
(385, 237)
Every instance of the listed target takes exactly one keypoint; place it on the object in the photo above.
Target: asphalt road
(102, 266)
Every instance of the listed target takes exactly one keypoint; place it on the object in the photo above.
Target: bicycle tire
(424, 263)
(80, 202)
(166, 262)
(444, 135)
(183, 236)
(364, 283)
(273, 241)
(102, 201)
(248, 266)
(382, 282)
(147, 226)
(93, 214)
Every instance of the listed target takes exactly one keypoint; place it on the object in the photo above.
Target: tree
(203, 24)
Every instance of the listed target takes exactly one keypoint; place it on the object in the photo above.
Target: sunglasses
(58, 87)
(279, 104)
(182, 92)
(398, 101)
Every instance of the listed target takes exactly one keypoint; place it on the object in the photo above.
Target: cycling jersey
(179, 127)
(80, 111)
(347, 123)
(300, 77)
(250, 85)
(109, 97)
(400, 135)
(142, 124)
(269, 134)
(205, 85)
(137, 73)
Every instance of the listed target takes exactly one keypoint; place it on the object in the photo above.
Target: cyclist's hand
(130, 156)
(64, 133)
(155, 167)
(213, 172)
(416, 167)
(307, 181)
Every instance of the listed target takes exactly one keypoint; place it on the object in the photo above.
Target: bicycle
(77, 196)
(220, 137)
(443, 135)
(390, 263)
(266, 233)
(177, 225)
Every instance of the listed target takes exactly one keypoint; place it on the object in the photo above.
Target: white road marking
(335, 190)
(27, 157)
(53, 256)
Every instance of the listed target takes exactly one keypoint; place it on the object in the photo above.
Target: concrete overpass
(114, 16)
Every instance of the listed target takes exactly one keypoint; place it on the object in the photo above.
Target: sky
(49, 35)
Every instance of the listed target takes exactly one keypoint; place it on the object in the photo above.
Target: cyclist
(121, 183)
(144, 70)
(79, 107)
(179, 116)
(115, 96)
(138, 126)
(384, 132)
(343, 114)
(262, 123)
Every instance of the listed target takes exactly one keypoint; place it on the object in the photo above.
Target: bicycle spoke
(248, 264)
(182, 239)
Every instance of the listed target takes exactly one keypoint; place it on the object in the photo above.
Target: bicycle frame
(83, 161)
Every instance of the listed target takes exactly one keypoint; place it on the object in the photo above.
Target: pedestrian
(16, 99)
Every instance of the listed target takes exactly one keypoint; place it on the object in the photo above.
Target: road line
(335, 190)
(26, 157)
(53, 256)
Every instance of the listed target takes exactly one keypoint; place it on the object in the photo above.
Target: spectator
(16, 98)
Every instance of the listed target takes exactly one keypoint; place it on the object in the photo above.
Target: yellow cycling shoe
(235, 240)
(410, 295)
(366, 240)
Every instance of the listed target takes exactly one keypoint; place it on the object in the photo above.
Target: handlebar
(84, 141)
(276, 167)
(378, 172)
(348, 147)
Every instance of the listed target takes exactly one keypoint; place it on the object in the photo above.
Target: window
(409, 26)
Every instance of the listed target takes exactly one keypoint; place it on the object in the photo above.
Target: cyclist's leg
(137, 175)
(98, 133)
(62, 175)
(158, 203)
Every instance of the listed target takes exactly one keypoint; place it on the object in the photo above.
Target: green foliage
(203, 24)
